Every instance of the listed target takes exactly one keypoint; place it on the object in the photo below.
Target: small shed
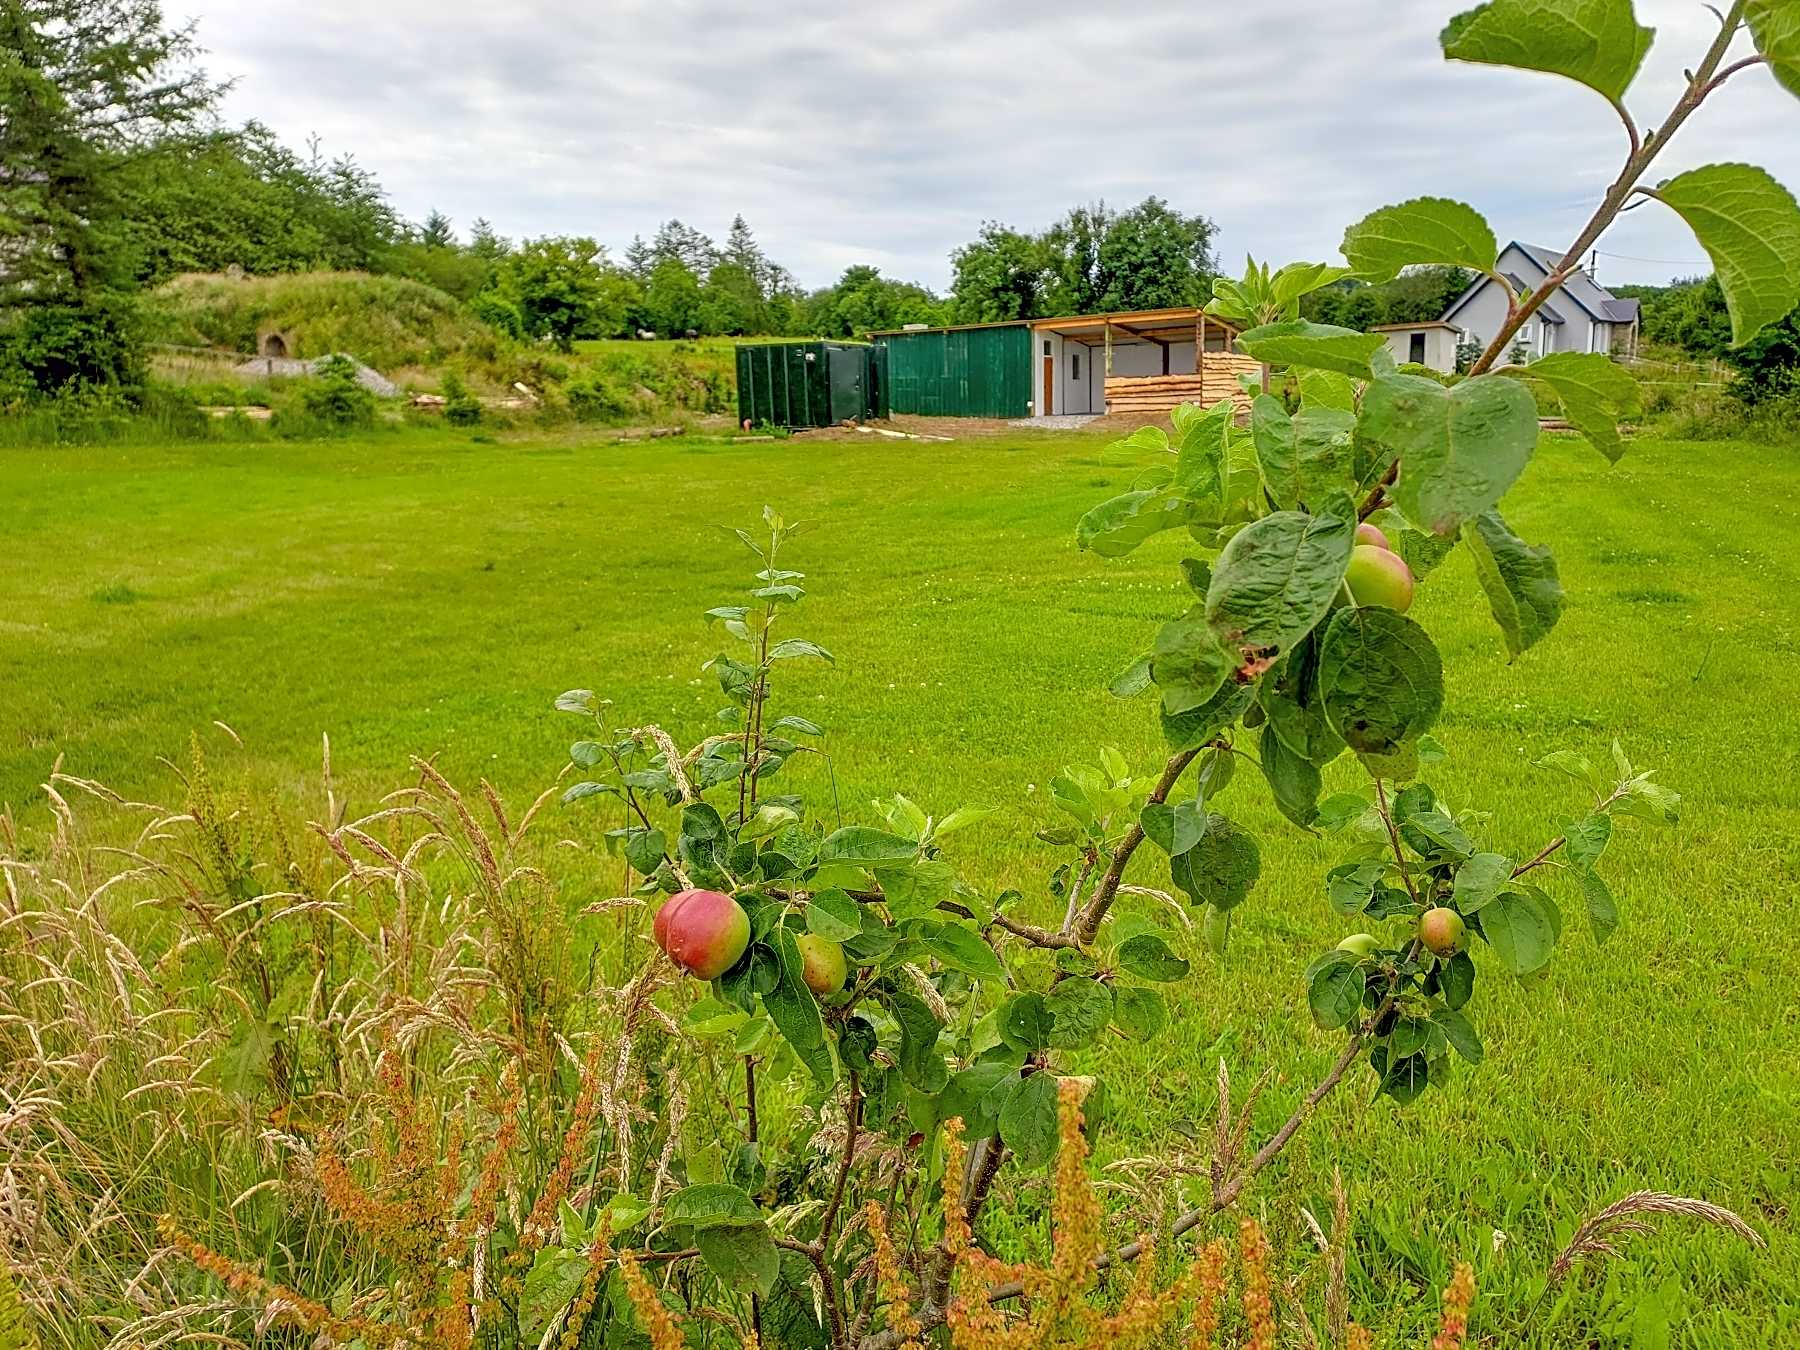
(1139, 363)
(1429, 343)
(809, 384)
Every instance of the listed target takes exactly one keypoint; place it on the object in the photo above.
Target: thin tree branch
(1095, 912)
(1699, 86)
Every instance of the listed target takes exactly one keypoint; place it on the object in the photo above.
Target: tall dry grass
(261, 1070)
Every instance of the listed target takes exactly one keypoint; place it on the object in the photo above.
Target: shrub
(593, 397)
(332, 401)
(53, 348)
(461, 408)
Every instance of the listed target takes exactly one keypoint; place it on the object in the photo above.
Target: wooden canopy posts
(1143, 393)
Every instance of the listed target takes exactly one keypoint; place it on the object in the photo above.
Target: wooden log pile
(1155, 395)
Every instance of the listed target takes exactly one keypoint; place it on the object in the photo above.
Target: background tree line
(115, 176)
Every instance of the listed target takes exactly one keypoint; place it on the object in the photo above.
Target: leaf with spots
(1381, 679)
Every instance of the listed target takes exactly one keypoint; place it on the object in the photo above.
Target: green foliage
(1597, 42)
(1749, 225)
(82, 345)
(1775, 25)
(15, 1321)
(1595, 395)
(1317, 346)
(564, 288)
(1426, 230)
(334, 399)
(385, 322)
(461, 408)
(211, 202)
(864, 301)
(1093, 260)
(1520, 581)
(1461, 448)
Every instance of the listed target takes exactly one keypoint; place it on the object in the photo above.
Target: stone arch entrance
(275, 346)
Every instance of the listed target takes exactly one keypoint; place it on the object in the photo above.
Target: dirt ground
(972, 428)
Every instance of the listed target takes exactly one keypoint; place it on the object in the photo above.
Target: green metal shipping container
(809, 384)
(981, 371)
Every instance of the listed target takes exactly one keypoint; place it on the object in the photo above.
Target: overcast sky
(887, 133)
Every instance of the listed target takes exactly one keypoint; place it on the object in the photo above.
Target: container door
(846, 374)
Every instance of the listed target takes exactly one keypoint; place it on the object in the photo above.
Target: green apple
(1377, 577)
(822, 964)
(1368, 534)
(1360, 944)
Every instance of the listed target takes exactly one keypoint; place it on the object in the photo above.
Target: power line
(1667, 262)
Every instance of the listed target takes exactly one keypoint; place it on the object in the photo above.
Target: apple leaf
(1194, 728)
(1293, 779)
(1276, 578)
(1479, 880)
(1118, 525)
(861, 846)
(1424, 230)
(1302, 278)
(1460, 449)
(1596, 42)
(1520, 581)
(1200, 455)
(1140, 1013)
(1596, 393)
(921, 1064)
(1149, 958)
(1335, 992)
(1173, 829)
(1749, 225)
(1381, 679)
(1775, 25)
(1303, 455)
(1221, 868)
(713, 1204)
(1320, 346)
(1028, 1120)
(1603, 914)
(745, 1257)
(1460, 1032)
(1189, 664)
(1082, 1008)
(1520, 930)
(791, 1007)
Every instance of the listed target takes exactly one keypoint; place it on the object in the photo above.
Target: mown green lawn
(431, 596)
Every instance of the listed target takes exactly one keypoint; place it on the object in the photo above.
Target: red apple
(703, 932)
(1441, 930)
(1378, 577)
(1368, 534)
(823, 966)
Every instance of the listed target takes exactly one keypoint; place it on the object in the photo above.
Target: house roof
(1157, 325)
(1588, 295)
(1405, 327)
(1175, 324)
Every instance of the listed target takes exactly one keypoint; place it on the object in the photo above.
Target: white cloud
(887, 134)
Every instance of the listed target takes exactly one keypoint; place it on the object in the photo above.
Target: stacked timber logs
(1155, 395)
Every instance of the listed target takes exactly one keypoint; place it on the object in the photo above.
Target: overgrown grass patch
(428, 595)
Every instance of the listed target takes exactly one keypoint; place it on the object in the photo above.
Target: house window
(1074, 365)
(1046, 346)
(1415, 349)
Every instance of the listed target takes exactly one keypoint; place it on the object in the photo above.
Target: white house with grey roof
(1579, 316)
